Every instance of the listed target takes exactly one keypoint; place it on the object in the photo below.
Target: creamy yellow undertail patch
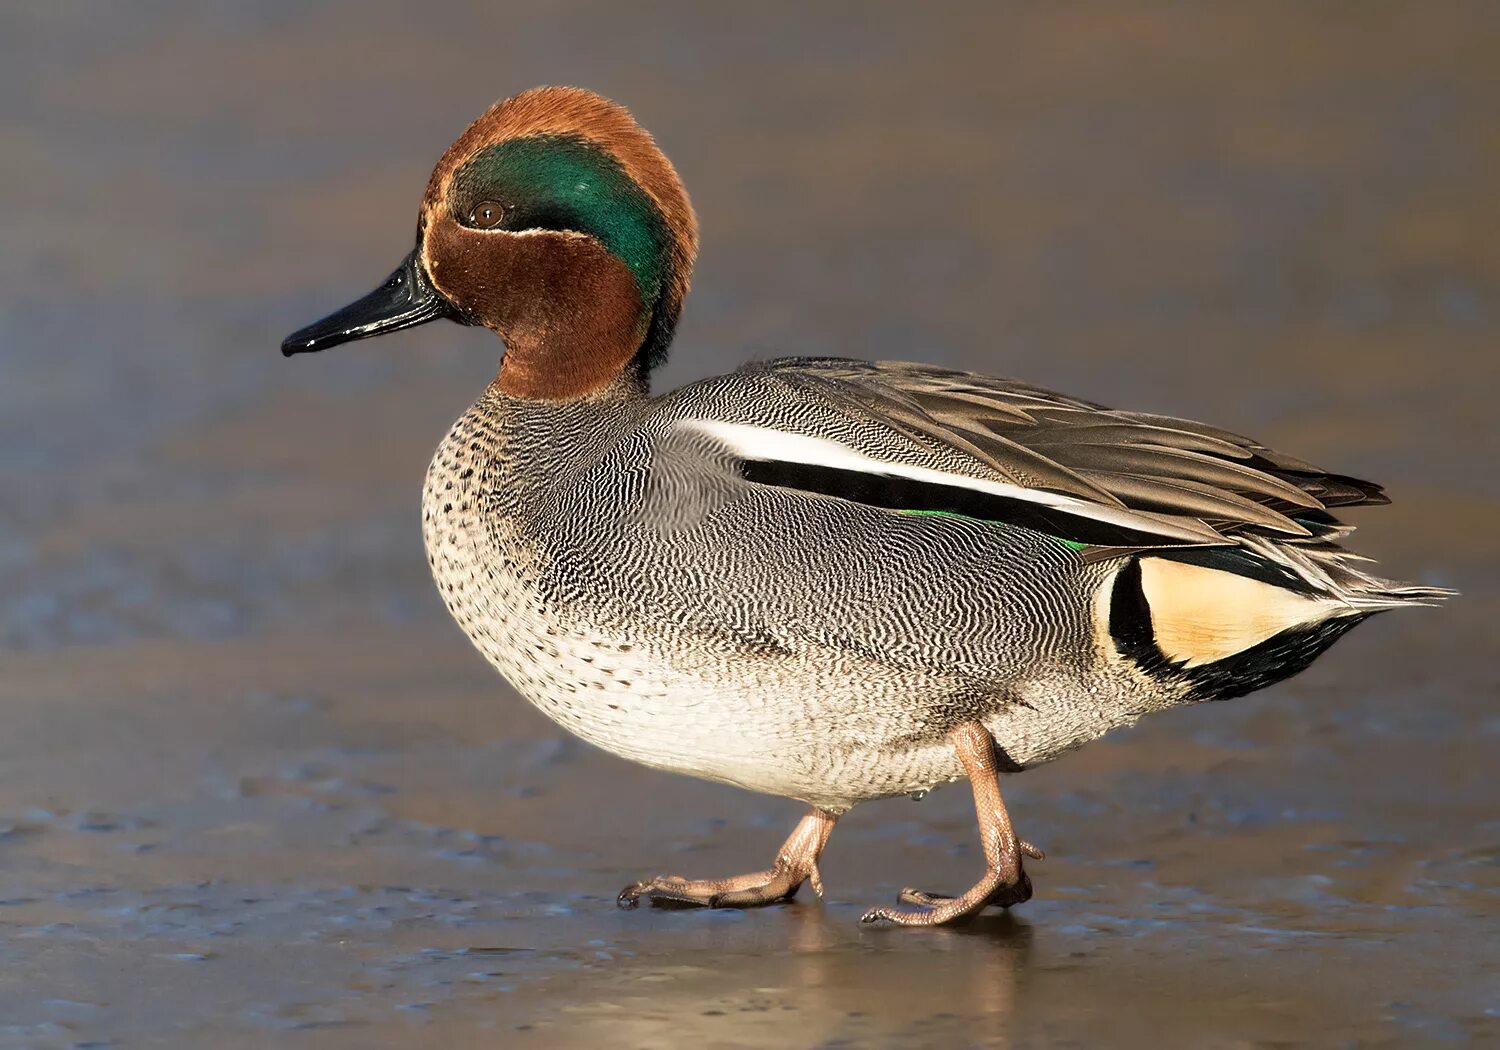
(1201, 615)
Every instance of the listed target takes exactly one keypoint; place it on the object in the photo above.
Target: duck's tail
(1226, 620)
(1332, 572)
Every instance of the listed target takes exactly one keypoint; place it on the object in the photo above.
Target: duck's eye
(487, 214)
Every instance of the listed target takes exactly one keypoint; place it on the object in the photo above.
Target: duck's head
(555, 221)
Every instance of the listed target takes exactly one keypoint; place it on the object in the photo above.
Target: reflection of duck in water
(828, 579)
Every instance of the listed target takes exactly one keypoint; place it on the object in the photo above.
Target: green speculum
(562, 182)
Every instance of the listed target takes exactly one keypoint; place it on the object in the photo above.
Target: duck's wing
(922, 439)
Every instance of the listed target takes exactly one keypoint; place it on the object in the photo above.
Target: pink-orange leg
(796, 863)
(1004, 882)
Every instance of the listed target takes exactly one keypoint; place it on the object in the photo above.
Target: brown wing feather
(1167, 468)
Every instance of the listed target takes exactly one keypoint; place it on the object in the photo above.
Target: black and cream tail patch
(1218, 633)
(1201, 615)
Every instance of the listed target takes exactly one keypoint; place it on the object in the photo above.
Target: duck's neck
(541, 442)
(579, 380)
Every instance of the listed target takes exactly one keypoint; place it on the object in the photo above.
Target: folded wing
(921, 439)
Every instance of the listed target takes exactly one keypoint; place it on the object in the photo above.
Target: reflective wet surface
(255, 788)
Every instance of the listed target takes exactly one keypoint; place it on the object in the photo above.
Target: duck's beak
(405, 300)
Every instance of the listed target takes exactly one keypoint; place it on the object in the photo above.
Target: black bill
(405, 300)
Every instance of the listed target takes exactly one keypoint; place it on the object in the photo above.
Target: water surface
(255, 787)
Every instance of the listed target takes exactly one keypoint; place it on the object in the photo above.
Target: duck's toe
(921, 898)
(999, 889)
(796, 863)
(741, 891)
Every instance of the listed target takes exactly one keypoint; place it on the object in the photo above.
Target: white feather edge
(767, 444)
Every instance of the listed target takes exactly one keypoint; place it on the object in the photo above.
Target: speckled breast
(489, 568)
(625, 686)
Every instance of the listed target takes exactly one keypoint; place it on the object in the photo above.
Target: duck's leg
(1004, 882)
(796, 862)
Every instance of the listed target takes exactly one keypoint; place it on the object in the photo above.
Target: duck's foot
(1002, 888)
(796, 863)
(1006, 889)
(1005, 882)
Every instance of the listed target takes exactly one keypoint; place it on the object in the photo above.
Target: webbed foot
(1005, 882)
(796, 863)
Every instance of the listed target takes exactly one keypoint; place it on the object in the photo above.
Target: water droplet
(918, 795)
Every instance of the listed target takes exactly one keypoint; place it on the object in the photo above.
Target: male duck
(829, 579)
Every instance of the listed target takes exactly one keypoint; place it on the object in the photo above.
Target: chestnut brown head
(555, 221)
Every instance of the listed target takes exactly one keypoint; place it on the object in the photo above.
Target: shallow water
(255, 787)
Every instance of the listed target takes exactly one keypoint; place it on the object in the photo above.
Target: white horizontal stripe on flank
(766, 443)
(769, 444)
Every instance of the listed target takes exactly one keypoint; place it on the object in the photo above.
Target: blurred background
(254, 784)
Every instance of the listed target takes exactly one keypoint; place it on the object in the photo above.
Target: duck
(828, 579)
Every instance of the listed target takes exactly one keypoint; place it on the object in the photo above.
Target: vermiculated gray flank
(636, 590)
